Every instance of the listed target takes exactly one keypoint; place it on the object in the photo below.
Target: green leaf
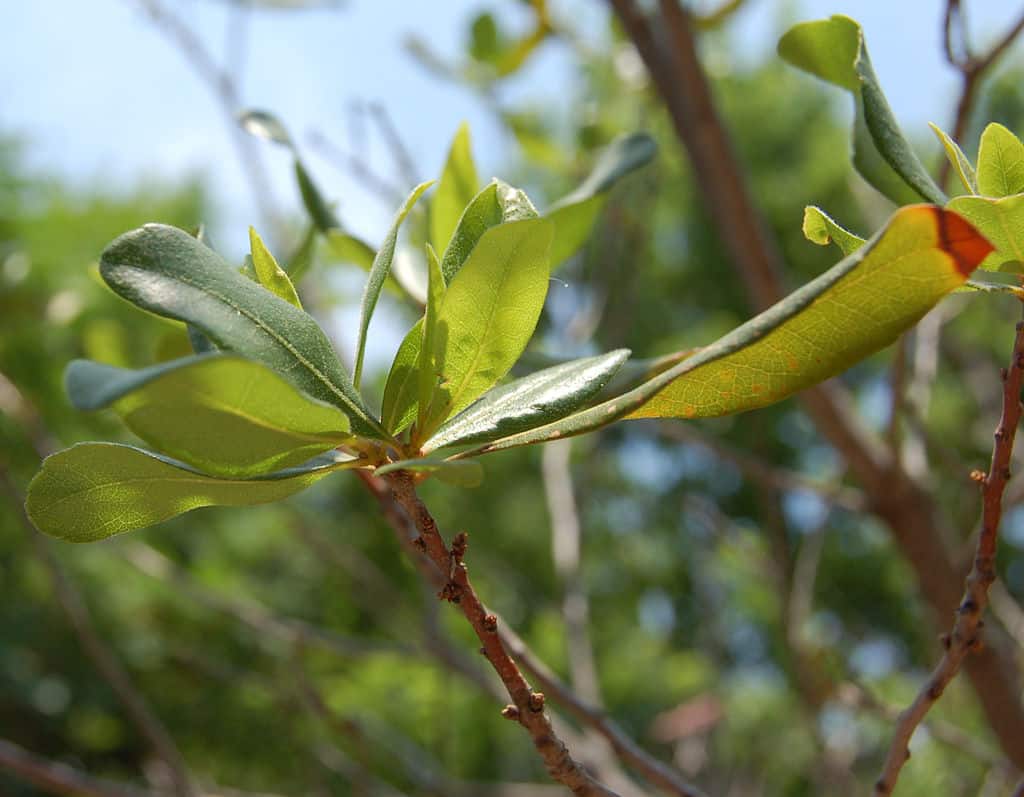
(462, 472)
(401, 392)
(820, 229)
(92, 491)
(425, 367)
(1000, 162)
(833, 49)
(854, 309)
(455, 190)
(379, 272)
(957, 159)
(489, 313)
(1002, 222)
(220, 413)
(534, 400)
(166, 271)
(497, 203)
(574, 215)
(269, 274)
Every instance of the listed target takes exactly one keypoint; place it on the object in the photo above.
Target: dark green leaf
(401, 393)
(167, 272)
(534, 400)
(425, 367)
(834, 50)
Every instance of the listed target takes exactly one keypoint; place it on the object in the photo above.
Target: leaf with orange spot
(856, 308)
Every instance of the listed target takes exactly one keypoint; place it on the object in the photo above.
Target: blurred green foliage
(689, 565)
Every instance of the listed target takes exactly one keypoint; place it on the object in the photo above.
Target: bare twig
(965, 636)
(972, 68)
(102, 656)
(356, 166)
(565, 544)
(55, 777)
(656, 772)
(527, 706)
(222, 82)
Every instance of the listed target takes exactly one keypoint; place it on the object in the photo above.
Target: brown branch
(656, 772)
(972, 69)
(629, 752)
(669, 51)
(965, 635)
(55, 777)
(527, 706)
(104, 659)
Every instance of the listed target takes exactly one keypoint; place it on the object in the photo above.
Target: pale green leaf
(1002, 222)
(497, 203)
(220, 413)
(268, 273)
(1000, 162)
(92, 491)
(435, 296)
(957, 159)
(820, 229)
(401, 392)
(455, 190)
(489, 313)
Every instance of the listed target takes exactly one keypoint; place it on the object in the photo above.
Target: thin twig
(222, 83)
(527, 705)
(565, 544)
(656, 772)
(55, 777)
(965, 635)
(972, 69)
(102, 656)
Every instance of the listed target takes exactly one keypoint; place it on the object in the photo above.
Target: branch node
(510, 712)
(490, 623)
(536, 703)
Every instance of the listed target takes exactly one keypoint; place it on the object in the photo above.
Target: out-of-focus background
(749, 619)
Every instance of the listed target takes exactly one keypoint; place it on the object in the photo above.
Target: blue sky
(104, 98)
